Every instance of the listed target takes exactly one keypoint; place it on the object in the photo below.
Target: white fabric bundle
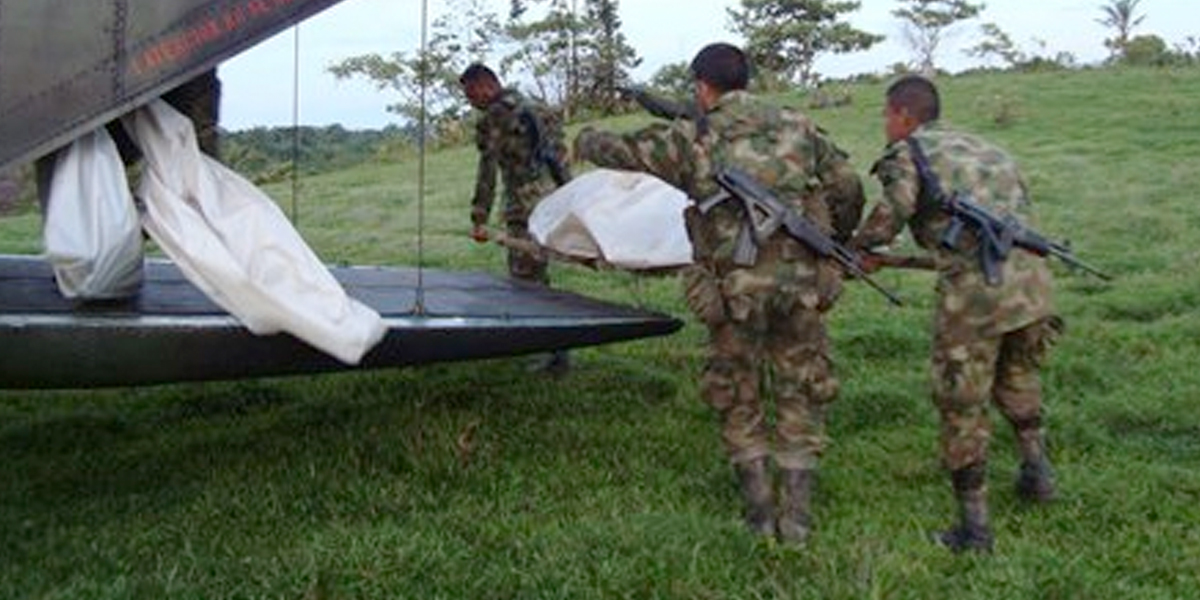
(233, 242)
(91, 233)
(630, 220)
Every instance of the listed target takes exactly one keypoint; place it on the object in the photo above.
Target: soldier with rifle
(523, 140)
(994, 317)
(765, 309)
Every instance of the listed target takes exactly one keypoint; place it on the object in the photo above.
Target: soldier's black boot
(560, 363)
(1035, 480)
(972, 531)
(795, 520)
(555, 364)
(755, 480)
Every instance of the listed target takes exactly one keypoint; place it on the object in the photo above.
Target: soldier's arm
(897, 174)
(487, 140)
(663, 150)
(841, 188)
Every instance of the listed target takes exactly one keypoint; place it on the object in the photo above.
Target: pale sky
(259, 84)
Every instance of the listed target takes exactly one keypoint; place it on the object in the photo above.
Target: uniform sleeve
(660, 149)
(841, 188)
(897, 174)
(487, 140)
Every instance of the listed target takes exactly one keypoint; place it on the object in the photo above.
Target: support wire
(295, 124)
(419, 307)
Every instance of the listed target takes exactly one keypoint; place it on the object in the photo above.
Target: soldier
(765, 316)
(989, 339)
(524, 139)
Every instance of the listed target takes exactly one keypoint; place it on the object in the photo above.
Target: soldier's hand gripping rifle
(765, 214)
(997, 235)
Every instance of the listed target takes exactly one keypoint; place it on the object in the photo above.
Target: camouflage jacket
(506, 142)
(966, 303)
(779, 147)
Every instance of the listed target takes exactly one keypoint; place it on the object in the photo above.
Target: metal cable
(419, 307)
(295, 124)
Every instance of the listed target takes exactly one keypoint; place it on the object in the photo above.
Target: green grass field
(476, 481)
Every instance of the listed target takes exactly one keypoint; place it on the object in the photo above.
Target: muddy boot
(795, 521)
(755, 480)
(1035, 480)
(972, 531)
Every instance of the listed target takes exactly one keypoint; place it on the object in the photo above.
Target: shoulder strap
(540, 151)
(931, 185)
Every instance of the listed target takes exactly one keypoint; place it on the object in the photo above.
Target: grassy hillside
(478, 481)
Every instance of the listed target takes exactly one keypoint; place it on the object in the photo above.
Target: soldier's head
(719, 68)
(480, 85)
(912, 101)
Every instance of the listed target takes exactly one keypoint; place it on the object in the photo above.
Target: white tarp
(233, 242)
(91, 232)
(628, 219)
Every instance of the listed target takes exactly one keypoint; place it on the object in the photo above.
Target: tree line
(574, 55)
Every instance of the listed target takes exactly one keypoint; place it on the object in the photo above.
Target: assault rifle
(997, 235)
(765, 214)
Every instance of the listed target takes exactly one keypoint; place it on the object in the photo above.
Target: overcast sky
(259, 84)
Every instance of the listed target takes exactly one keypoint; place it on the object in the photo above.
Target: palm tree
(1118, 15)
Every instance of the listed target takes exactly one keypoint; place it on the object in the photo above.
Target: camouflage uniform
(200, 99)
(988, 340)
(506, 141)
(775, 309)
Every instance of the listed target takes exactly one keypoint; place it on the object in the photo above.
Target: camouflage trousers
(522, 265)
(782, 354)
(968, 374)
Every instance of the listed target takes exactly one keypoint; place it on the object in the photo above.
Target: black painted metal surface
(172, 332)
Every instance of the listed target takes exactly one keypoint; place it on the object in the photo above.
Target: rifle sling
(539, 154)
(990, 249)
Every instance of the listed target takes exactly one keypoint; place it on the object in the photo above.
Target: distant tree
(1188, 52)
(545, 49)
(927, 22)
(608, 57)
(465, 33)
(995, 43)
(1119, 16)
(787, 36)
(1146, 51)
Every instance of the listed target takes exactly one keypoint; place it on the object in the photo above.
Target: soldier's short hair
(723, 66)
(918, 95)
(477, 72)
